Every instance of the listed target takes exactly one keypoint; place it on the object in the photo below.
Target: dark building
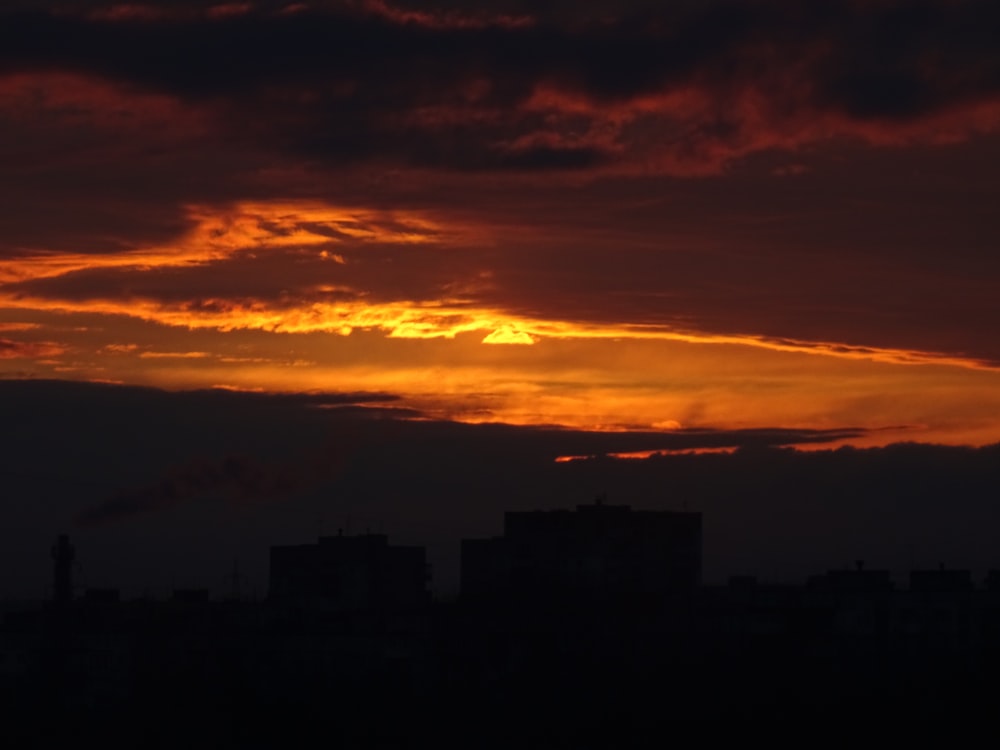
(62, 582)
(858, 580)
(349, 573)
(941, 580)
(595, 550)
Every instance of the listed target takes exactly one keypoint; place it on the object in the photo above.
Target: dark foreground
(511, 672)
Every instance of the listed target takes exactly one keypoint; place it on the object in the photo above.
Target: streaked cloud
(218, 233)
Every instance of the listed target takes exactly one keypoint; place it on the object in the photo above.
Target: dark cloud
(115, 452)
(905, 59)
(364, 82)
(787, 514)
(246, 479)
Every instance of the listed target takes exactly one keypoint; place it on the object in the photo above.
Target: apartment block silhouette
(596, 549)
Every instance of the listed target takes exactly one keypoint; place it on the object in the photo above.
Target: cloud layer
(712, 214)
(681, 89)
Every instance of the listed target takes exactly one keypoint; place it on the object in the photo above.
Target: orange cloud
(445, 319)
(174, 355)
(218, 233)
(252, 228)
(508, 334)
(595, 383)
(248, 229)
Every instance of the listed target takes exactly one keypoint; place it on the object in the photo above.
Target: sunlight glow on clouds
(221, 232)
(248, 229)
(508, 335)
(442, 319)
(711, 213)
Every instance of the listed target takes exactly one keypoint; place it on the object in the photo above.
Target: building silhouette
(850, 581)
(349, 573)
(589, 623)
(598, 549)
(63, 556)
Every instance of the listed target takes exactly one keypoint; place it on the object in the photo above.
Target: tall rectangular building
(596, 549)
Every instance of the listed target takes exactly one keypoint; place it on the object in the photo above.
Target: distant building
(941, 580)
(349, 573)
(858, 580)
(594, 550)
(63, 556)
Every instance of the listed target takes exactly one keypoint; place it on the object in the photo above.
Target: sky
(605, 216)
(687, 225)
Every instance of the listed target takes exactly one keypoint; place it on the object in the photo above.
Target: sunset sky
(610, 216)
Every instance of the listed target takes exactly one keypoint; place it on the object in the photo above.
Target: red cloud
(683, 90)
(11, 349)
